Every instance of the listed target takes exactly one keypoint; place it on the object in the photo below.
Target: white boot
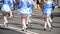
(10, 16)
(24, 26)
(50, 27)
(5, 23)
(45, 26)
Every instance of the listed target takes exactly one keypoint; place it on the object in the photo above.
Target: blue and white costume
(5, 6)
(48, 8)
(25, 7)
(11, 4)
(8, 5)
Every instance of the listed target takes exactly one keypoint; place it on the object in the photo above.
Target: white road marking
(19, 30)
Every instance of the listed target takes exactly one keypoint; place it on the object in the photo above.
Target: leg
(50, 19)
(49, 24)
(24, 22)
(5, 19)
(45, 26)
(38, 6)
(28, 21)
(11, 14)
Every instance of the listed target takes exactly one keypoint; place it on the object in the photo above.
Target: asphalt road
(8, 31)
(37, 24)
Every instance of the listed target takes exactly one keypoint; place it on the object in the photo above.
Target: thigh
(5, 13)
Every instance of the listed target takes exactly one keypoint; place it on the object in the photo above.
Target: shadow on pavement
(56, 26)
(36, 29)
(33, 28)
(8, 31)
(56, 22)
(57, 14)
(37, 23)
(16, 24)
(37, 16)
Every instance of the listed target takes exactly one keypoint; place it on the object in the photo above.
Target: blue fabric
(48, 9)
(10, 3)
(5, 8)
(5, 1)
(31, 5)
(25, 7)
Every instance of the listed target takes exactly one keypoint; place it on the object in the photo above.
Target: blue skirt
(48, 12)
(27, 11)
(5, 8)
(11, 6)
